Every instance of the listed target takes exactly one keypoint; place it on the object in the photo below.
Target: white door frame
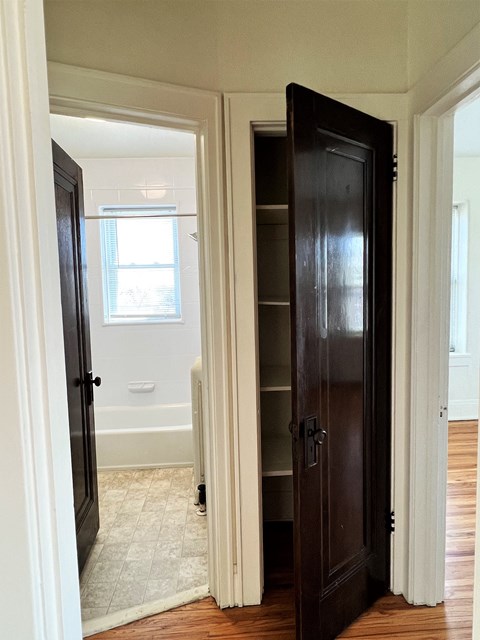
(40, 598)
(85, 92)
(40, 595)
(433, 108)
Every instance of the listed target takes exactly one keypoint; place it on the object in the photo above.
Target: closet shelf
(276, 456)
(274, 301)
(272, 214)
(272, 207)
(275, 379)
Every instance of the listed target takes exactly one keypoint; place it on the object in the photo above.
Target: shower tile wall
(161, 353)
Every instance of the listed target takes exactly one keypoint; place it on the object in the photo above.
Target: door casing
(131, 100)
(431, 238)
(244, 114)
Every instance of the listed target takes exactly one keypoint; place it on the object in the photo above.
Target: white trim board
(432, 203)
(40, 597)
(453, 81)
(83, 92)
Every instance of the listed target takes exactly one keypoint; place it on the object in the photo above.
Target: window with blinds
(141, 276)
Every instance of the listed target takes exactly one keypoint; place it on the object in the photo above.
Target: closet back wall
(147, 428)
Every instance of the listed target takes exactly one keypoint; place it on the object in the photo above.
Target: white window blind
(141, 281)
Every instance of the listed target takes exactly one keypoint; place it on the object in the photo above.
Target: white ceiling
(467, 130)
(87, 138)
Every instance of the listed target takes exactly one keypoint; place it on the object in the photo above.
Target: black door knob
(89, 382)
(319, 436)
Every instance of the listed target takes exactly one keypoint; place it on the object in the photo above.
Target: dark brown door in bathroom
(76, 334)
(340, 205)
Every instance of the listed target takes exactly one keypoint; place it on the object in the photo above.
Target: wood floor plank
(390, 618)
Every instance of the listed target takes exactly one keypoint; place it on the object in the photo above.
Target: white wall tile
(160, 173)
(163, 353)
(102, 198)
(184, 172)
(186, 200)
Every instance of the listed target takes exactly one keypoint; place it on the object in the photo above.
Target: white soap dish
(141, 386)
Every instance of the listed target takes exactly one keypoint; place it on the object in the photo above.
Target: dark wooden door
(340, 199)
(76, 334)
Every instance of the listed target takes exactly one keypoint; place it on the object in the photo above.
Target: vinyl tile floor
(151, 543)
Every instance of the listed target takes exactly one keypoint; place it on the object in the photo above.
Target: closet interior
(273, 332)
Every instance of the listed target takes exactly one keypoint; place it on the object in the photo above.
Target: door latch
(314, 437)
(89, 382)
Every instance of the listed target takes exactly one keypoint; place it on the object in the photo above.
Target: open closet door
(340, 206)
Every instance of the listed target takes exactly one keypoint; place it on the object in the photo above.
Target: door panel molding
(340, 215)
(68, 182)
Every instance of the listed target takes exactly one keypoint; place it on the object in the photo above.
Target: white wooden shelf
(274, 301)
(272, 207)
(272, 214)
(275, 379)
(276, 456)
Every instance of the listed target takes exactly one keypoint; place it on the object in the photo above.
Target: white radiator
(197, 426)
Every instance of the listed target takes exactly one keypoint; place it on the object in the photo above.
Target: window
(141, 281)
(458, 286)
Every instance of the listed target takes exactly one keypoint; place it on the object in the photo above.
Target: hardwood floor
(391, 617)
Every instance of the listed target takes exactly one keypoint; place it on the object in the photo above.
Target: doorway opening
(464, 359)
(144, 298)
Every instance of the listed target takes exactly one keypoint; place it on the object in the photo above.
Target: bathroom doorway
(143, 280)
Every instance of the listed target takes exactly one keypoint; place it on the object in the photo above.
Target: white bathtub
(152, 436)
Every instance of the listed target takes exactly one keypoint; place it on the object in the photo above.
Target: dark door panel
(71, 245)
(340, 198)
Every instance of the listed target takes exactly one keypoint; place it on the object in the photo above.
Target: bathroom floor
(151, 544)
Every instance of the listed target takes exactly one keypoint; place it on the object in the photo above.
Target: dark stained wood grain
(76, 334)
(340, 212)
(390, 617)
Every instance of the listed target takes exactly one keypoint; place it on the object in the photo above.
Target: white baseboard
(463, 409)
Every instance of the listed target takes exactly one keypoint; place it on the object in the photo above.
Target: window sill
(142, 323)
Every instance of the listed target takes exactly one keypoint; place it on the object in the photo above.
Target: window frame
(113, 214)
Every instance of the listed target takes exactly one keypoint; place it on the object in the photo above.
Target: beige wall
(353, 46)
(434, 28)
(171, 41)
(261, 45)
(237, 45)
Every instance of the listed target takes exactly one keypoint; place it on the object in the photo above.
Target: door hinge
(391, 522)
(395, 168)
(442, 411)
